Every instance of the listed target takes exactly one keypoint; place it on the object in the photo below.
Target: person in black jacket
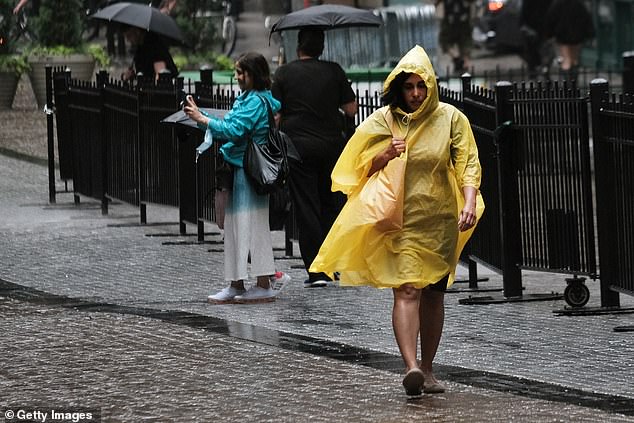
(570, 23)
(537, 52)
(315, 94)
(151, 55)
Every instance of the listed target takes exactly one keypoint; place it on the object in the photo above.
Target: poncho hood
(416, 61)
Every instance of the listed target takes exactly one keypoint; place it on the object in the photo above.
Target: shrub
(16, 63)
(59, 24)
(197, 61)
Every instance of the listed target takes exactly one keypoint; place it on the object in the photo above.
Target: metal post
(102, 79)
(50, 135)
(605, 194)
(628, 72)
(473, 266)
(207, 75)
(466, 83)
(510, 222)
(140, 159)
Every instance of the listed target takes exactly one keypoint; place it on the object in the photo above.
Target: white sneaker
(225, 296)
(256, 294)
(279, 281)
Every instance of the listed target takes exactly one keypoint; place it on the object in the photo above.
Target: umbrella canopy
(181, 120)
(327, 16)
(141, 16)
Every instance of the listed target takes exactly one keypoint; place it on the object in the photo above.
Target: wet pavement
(101, 314)
(128, 368)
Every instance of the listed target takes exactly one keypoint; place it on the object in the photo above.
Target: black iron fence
(534, 145)
(613, 137)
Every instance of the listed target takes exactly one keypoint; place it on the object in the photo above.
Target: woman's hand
(396, 147)
(467, 217)
(192, 110)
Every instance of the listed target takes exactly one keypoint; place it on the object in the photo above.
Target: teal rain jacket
(247, 118)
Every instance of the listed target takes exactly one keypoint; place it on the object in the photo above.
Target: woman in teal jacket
(246, 224)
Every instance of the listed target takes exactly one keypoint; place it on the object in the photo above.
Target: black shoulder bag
(266, 165)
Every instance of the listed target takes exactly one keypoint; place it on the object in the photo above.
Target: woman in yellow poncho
(441, 207)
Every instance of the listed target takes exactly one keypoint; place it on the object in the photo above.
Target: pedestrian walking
(315, 96)
(151, 55)
(441, 205)
(456, 27)
(246, 225)
(570, 22)
(537, 52)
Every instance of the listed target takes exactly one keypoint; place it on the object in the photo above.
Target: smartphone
(182, 95)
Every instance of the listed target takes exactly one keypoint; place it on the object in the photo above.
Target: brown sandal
(413, 382)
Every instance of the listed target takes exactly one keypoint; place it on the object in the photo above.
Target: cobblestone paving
(137, 369)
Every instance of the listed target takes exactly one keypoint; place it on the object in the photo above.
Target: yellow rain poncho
(442, 158)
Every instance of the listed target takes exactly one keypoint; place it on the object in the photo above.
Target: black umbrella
(327, 16)
(141, 16)
(180, 118)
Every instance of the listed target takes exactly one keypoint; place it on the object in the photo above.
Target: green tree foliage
(59, 23)
(201, 22)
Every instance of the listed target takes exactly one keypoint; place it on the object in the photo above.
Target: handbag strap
(269, 110)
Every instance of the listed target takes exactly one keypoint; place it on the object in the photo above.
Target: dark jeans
(316, 206)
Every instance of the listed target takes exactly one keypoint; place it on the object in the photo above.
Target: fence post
(102, 79)
(473, 266)
(466, 83)
(510, 222)
(140, 159)
(605, 194)
(628, 72)
(207, 75)
(50, 135)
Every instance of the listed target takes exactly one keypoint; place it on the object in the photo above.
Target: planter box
(8, 86)
(82, 66)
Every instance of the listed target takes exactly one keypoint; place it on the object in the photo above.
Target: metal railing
(613, 136)
(534, 148)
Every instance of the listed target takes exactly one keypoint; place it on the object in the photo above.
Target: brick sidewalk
(522, 348)
(129, 368)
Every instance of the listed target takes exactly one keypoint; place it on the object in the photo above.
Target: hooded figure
(441, 206)
(442, 159)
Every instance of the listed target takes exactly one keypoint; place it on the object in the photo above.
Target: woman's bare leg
(432, 318)
(405, 323)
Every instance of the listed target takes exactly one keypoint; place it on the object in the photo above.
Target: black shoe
(320, 283)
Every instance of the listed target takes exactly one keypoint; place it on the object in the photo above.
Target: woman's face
(414, 92)
(244, 79)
